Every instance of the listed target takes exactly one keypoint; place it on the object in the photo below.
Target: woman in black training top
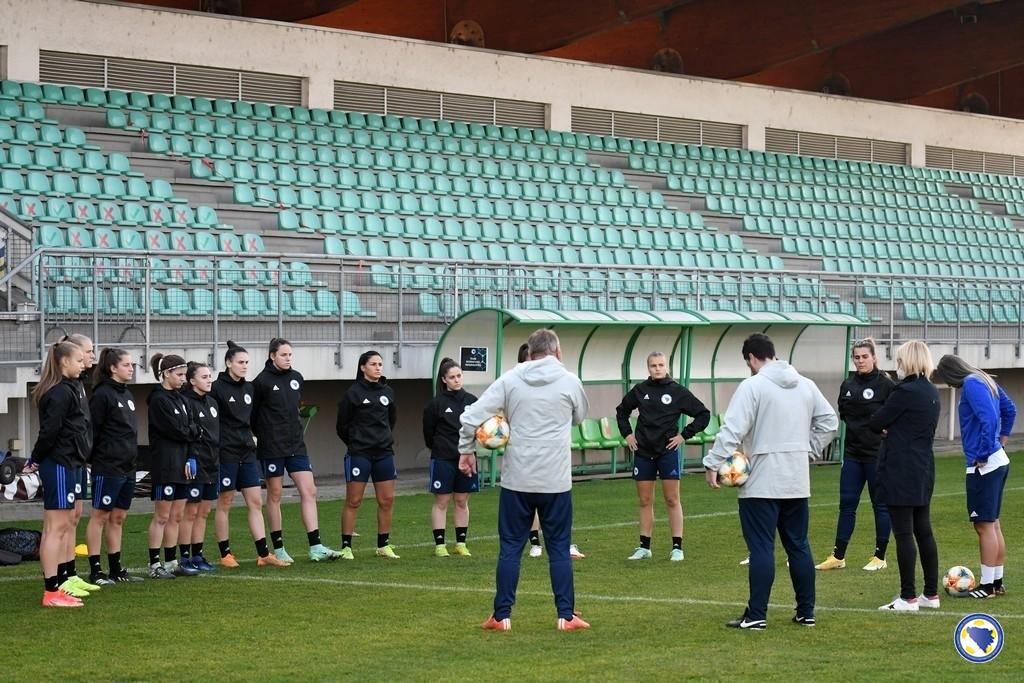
(203, 490)
(366, 416)
(441, 434)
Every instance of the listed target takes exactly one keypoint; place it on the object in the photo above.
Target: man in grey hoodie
(781, 421)
(542, 401)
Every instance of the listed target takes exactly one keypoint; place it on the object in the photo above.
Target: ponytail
(363, 358)
(442, 371)
(108, 356)
(161, 364)
(51, 375)
(275, 344)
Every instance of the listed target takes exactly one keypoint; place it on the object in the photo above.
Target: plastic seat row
(812, 246)
(57, 210)
(939, 291)
(177, 271)
(86, 185)
(897, 267)
(152, 240)
(45, 135)
(971, 313)
(799, 227)
(27, 157)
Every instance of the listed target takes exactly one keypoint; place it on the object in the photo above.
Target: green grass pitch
(418, 618)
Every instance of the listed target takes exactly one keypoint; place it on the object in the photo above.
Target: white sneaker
(676, 555)
(925, 601)
(900, 605)
(574, 552)
(640, 554)
(745, 561)
(536, 550)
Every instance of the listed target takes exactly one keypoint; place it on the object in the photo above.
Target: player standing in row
(172, 434)
(239, 469)
(277, 396)
(88, 360)
(60, 451)
(861, 394)
(115, 449)
(986, 421)
(441, 428)
(659, 401)
(203, 489)
(366, 417)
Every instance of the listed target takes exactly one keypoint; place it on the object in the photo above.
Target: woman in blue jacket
(986, 419)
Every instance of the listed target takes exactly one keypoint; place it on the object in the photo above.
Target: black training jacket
(171, 435)
(65, 435)
(205, 413)
(83, 402)
(275, 413)
(860, 397)
(366, 416)
(234, 401)
(660, 402)
(115, 429)
(441, 423)
(905, 475)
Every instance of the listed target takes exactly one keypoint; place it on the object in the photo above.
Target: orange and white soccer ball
(959, 580)
(493, 433)
(734, 471)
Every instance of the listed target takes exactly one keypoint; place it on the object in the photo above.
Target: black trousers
(912, 529)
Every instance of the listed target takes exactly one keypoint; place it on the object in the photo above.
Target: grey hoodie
(541, 400)
(781, 421)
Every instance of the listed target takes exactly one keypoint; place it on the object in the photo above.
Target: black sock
(839, 551)
(534, 537)
(114, 560)
(186, 550)
(94, 565)
(880, 547)
(261, 547)
(50, 584)
(346, 540)
(197, 549)
(677, 543)
(171, 553)
(438, 536)
(313, 537)
(997, 583)
(225, 547)
(460, 534)
(62, 572)
(383, 539)
(645, 542)
(71, 570)
(154, 556)
(277, 538)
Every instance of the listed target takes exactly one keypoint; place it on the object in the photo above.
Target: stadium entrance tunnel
(608, 351)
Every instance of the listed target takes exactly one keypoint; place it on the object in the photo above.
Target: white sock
(988, 574)
(998, 572)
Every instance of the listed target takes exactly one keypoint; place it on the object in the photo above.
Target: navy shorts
(276, 467)
(668, 466)
(198, 492)
(361, 468)
(985, 494)
(62, 486)
(445, 477)
(239, 475)
(111, 491)
(83, 479)
(169, 492)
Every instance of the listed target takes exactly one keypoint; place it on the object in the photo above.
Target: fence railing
(163, 299)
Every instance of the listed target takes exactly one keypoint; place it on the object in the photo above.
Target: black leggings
(910, 523)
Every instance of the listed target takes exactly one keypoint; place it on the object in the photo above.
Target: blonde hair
(915, 358)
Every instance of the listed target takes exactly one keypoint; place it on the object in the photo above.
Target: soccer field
(418, 618)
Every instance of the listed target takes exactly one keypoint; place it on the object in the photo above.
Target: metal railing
(161, 299)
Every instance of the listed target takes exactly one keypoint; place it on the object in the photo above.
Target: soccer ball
(493, 433)
(734, 471)
(959, 580)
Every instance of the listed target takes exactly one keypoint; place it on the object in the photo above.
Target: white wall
(323, 55)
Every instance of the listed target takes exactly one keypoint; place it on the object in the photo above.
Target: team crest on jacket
(213, 411)
(131, 405)
(666, 398)
(384, 400)
(294, 384)
(868, 394)
(247, 398)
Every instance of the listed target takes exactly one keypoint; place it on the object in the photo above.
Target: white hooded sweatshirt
(541, 401)
(781, 421)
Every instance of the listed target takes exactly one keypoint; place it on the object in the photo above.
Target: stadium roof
(949, 54)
